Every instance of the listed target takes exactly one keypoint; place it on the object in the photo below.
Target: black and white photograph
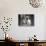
(26, 19)
(22, 22)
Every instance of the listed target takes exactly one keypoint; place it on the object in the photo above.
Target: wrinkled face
(35, 3)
